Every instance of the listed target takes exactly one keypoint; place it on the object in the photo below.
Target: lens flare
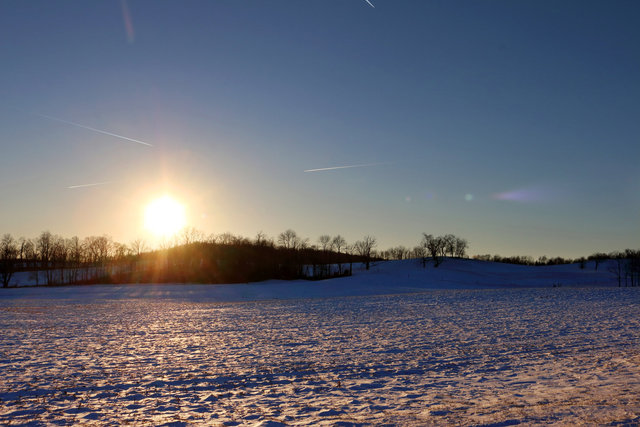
(128, 23)
(523, 195)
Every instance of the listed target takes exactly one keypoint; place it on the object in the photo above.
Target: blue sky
(513, 124)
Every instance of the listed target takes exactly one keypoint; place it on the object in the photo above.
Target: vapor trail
(89, 185)
(344, 167)
(104, 132)
(370, 4)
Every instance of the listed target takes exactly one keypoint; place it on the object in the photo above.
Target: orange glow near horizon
(164, 216)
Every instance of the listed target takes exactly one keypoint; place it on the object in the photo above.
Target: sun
(164, 216)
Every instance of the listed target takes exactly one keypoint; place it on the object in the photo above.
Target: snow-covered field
(222, 355)
(392, 277)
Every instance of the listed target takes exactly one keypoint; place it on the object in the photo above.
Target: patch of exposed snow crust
(459, 357)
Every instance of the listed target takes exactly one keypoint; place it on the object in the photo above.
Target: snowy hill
(384, 278)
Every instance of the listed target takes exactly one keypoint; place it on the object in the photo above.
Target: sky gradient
(512, 124)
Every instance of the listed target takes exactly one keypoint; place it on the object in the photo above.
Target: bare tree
(398, 252)
(8, 256)
(58, 258)
(120, 251)
(190, 235)
(289, 239)
(325, 246)
(21, 250)
(421, 253)
(365, 247)
(226, 239)
(338, 244)
(597, 258)
(434, 246)
(44, 248)
(31, 259)
(75, 253)
(98, 251)
(262, 239)
(137, 247)
(633, 266)
(350, 250)
(461, 247)
(29, 252)
(617, 267)
(449, 244)
(325, 242)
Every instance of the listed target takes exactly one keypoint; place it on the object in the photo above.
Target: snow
(395, 345)
(383, 278)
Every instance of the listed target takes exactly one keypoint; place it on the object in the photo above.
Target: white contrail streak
(370, 4)
(104, 132)
(344, 167)
(89, 185)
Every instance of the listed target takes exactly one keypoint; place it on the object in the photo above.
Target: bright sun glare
(164, 216)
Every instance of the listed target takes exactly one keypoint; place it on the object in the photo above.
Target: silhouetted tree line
(226, 258)
(193, 257)
(625, 265)
(524, 259)
(436, 248)
(189, 257)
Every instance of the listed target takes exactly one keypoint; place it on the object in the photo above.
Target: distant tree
(434, 246)
(633, 266)
(350, 250)
(289, 239)
(31, 259)
(365, 247)
(190, 235)
(8, 255)
(226, 239)
(581, 262)
(28, 251)
(120, 251)
(448, 245)
(461, 247)
(137, 247)
(338, 244)
(75, 253)
(324, 242)
(597, 258)
(98, 250)
(44, 248)
(421, 253)
(398, 252)
(262, 240)
(617, 267)
(58, 259)
(21, 250)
